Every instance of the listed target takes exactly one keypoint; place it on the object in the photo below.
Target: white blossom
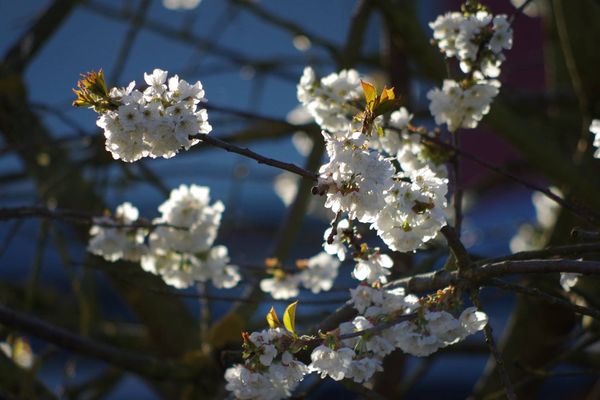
(458, 107)
(356, 178)
(473, 320)
(320, 272)
(410, 340)
(119, 242)
(375, 268)
(363, 369)
(568, 280)
(332, 363)
(281, 287)
(337, 246)
(414, 212)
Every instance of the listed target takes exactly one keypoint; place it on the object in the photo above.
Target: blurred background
(249, 56)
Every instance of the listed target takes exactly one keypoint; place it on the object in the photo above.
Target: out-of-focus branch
(585, 214)
(26, 47)
(141, 364)
(290, 26)
(134, 29)
(535, 292)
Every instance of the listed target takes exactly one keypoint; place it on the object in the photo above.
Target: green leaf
(289, 317)
(272, 319)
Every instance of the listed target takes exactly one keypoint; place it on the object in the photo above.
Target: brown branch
(456, 247)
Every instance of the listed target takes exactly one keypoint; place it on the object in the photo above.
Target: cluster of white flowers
(332, 101)
(156, 122)
(406, 208)
(356, 349)
(460, 107)
(477, 40)
(414, 211)
(179, 249)
(431, 330)
(358, 356)
(355, 177)
(270, 372)
(317, 275)
(360, 178)
(595, 130)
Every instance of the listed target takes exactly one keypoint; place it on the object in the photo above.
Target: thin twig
(509, 390)
(135, 26)
(584, 213)
(255, 156)
(519, 11)
(535, 292)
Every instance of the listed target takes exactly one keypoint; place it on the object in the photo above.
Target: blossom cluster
(477, 40)
(180, 247)
(316, 274)
(434, 326)
(406, 208)
(387, 320)
(155, 122)
(271, 371)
